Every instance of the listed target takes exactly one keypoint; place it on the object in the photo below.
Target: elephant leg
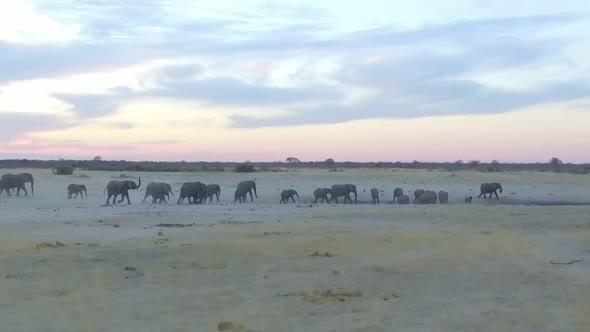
(127, 196)
(496, 193)
(293, 198)
(251, 198)
(217, 195)
(144, 198)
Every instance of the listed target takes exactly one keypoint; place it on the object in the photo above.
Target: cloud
(292, 62)
(16, 124)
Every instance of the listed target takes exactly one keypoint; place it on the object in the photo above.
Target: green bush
(244, 168)
(64, 170)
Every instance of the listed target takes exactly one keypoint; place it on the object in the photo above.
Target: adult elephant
(321, 194)
(417, 194)
(28, 178)
(120, 187)
(77, 189)
(403, 199)
(13, 181)
(443, 197)
(286, 194)
(375, 196)
(397, 193)
(490, 188)
(343, 190)
(158, 191)
(194, 191)
(248, 186)
(212, 190)
(427, 197)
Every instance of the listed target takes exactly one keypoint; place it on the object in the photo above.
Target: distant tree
(495, 162)
(459, 162)
(244, 168)
(293, 160)
(474, 163)
(555, 161)
(330, 162)
(97, 158)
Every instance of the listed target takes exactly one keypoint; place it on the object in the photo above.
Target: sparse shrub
(474, 163)
(244, 168)
(64, 170)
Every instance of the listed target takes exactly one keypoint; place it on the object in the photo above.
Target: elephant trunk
(33, 186)
(139, 185)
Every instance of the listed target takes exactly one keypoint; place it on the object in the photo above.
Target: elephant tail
(255, 193)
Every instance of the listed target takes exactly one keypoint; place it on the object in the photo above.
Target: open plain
(518, 264)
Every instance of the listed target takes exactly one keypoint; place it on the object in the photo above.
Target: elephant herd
(199, 193)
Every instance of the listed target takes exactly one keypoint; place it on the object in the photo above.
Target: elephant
(286, 194)
(13, 181)
(443, 197)
(375, 196)
(78, 189)
(321, 194)
(240, 196)
(490, 188)
(397, 192)
(343, 190)
(192, 190)
(212, 190)
(468, 199)
(403, 199)
(28, 178)
(418, 193)
(248, 186)
(120, 187)
(428, 197)
(158, 191)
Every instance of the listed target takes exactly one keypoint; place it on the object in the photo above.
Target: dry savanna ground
(518, 264)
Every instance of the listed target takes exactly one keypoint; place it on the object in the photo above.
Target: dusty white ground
(269, 267)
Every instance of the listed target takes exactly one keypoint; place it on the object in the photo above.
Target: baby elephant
(468, 199)
(321, 194)
(286, 194)
(375, 196)
(443, 197)
(403, 199)
(240, 196)
(78, 189)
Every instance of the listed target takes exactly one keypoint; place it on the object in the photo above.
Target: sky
(262, 80)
